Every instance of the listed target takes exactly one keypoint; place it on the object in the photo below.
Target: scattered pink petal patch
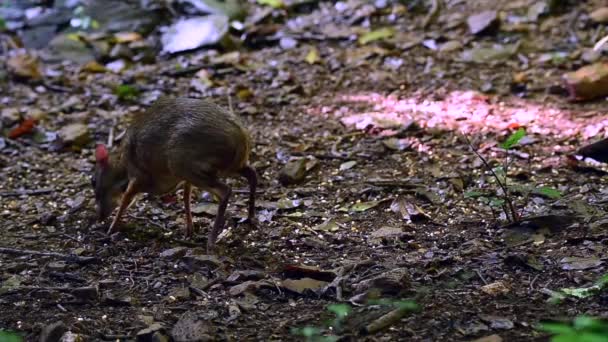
(466, 112)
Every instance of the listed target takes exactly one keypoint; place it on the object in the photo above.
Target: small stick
(111, 137)
(432, 14)
(67, 257)
(505, 191)
(16, 193)
(481, 277)
(385, 321)
(599, 44)
(230, 103)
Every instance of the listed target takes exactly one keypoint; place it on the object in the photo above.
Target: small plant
(2, 24)
(598, 287)
(503, 198)
(316, 334)
(341, 312)
(582, 329)
(126, 92)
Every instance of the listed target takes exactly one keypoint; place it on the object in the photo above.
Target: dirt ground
(421, 239)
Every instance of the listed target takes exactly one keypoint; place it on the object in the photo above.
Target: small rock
(53, 332)
(205, 208)
(152, 333)
(498, 322)
(288, 43)
(451, 45)
(76, 134)
(174, 253)
(121, 51)
(10, 116)
(117, 66)
(483, 22)
(36, 114)
(240, 276)
(390, 282)
(588, 82)
(179, 294)
(193, 326)
(387, 232)
(110, 298)
(191, 33)
(293, 172)
(86, 293)
(147, 320)
(248, 286)
(489, 338)
(57, 265)
(197, 261)
(63, 47)
(72, 102)
(600, 15)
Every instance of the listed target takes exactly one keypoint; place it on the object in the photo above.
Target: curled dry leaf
(408, 210)
(303, 285)
(25, 66)
(496, 288)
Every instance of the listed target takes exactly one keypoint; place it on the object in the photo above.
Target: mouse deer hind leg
(250, 174)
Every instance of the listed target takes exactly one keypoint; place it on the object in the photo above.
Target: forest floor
(394, 205)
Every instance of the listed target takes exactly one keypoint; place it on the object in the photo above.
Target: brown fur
(176, 141)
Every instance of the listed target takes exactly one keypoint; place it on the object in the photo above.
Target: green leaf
(407, 305)
(548, 192)
(497, 202)
(581, 292)
(272, 3)
(306, 331)
(590, 323)
(340, 310)
(473, 194)
(514, 139)
(581, 337)
(379, 34)
(7, 336)
(603, 281)
(557, 328)
(2, 24)
(126, 92)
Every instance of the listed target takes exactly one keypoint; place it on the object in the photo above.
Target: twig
(434, 11)
(532, 282)
(230, 103)
(15, 193)
(385, 321)
(111, 137)
(87, 292)
(514, 214)
(481, 277)
(67, 257)
(318, 155)
(601, 43)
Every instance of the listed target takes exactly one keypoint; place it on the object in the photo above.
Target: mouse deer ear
(101, 154)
